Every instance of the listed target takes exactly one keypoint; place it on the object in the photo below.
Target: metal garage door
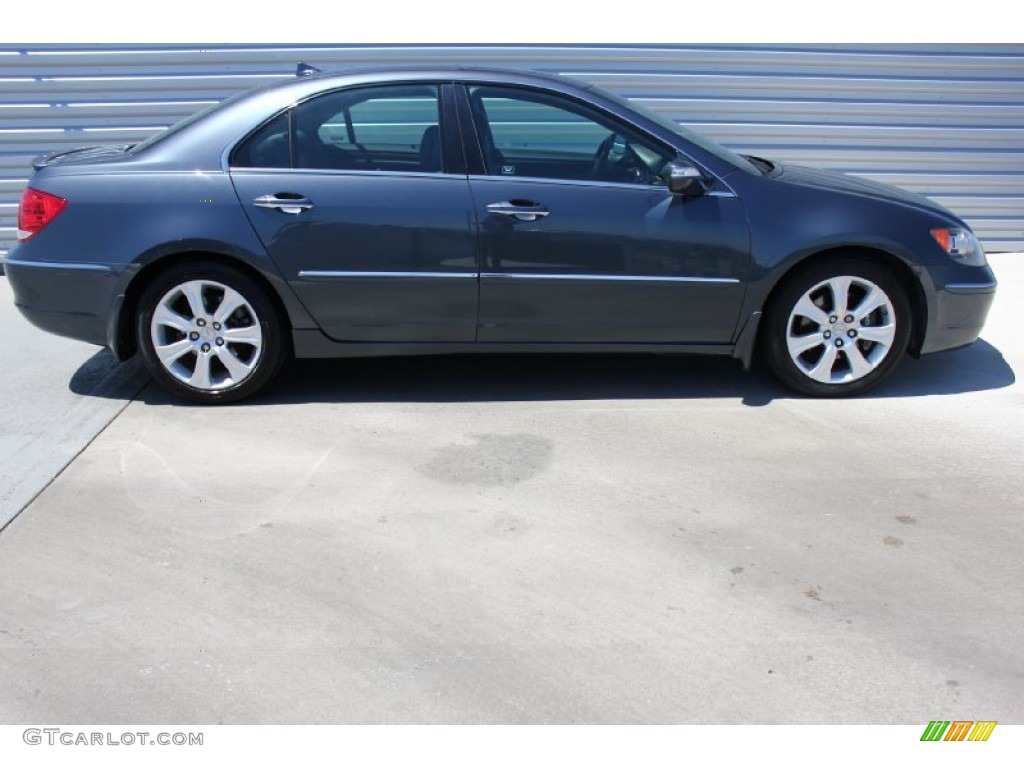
(945, 120)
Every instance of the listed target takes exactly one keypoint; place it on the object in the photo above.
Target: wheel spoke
(200, 378)
(165, 316)
(807, 308)
(840, 287)
(169, 353)
(860, 366)
(193, 293)
(236, 367)
(881, 334)
(822, 370)
(800, 344)
(231, 301)
(250, 334)
(874, 299)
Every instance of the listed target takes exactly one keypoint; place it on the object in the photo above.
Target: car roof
(393, 73)
(396, 74)
(209, 133)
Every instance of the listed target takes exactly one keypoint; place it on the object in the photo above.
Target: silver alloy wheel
(206, 335)
(841, 329)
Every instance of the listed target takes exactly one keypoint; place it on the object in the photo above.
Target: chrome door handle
(286, 202)
(520, 210)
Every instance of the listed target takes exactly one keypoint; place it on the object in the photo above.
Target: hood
(835, 181)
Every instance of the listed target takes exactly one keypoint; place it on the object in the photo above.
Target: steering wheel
(602, 156)
(616, 160)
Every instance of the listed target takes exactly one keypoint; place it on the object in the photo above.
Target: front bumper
(958, 307)
(66, 299)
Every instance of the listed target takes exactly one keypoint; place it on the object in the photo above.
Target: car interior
(359, 130)
(582, 146)
(397, 129)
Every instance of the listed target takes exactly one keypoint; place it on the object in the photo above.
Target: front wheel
(837, 328)
(209, 333)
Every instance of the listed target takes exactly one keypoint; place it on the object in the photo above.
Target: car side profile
(471, 210)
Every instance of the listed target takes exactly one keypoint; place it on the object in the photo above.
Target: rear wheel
(209, 333)
(837, 328)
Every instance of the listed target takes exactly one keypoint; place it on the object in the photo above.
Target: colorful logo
(958, 730)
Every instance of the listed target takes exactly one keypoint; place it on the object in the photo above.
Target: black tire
(840, 360)
(260, 345)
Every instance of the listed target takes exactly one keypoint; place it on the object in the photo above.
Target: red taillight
(36, 211)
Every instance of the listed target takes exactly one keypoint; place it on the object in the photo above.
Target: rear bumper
(66, 299)
(959, 310)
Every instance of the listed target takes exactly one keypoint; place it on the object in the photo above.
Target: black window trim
(453, 147)
(293, 140)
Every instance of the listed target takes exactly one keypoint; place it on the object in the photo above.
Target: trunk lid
(80, 155)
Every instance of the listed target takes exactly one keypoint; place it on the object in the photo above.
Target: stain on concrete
(736, 569)
(953, 683)
(508, 526)
(813, 593)
(906, 519)
(393, 676)
(892, 541)
(490, 460)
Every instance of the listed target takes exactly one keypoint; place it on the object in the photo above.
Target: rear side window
(267, 148)
(381, 128)
(386, 121)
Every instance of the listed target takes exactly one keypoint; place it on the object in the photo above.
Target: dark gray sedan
(441, 211)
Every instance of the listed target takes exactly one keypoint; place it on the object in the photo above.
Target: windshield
(694, 138)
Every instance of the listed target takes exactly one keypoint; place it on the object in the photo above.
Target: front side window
(534, 134)
(381, 128)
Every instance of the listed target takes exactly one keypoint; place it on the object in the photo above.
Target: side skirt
(314, 344)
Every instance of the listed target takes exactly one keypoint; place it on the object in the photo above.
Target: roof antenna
(305, 70)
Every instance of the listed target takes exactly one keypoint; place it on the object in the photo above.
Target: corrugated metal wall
(944, 120)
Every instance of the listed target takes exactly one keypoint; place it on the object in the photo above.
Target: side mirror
(683, 179)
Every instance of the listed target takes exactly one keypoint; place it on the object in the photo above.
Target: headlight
(961, 245)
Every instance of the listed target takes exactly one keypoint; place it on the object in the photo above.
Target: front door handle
(286, 202)
(520, 210)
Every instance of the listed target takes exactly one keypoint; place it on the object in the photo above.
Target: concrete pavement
(57, 396)
(596, 540)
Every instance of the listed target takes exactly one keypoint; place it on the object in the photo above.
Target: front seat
(430, 150)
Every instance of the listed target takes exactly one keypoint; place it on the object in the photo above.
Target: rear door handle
(286, 202)
(520, 210)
